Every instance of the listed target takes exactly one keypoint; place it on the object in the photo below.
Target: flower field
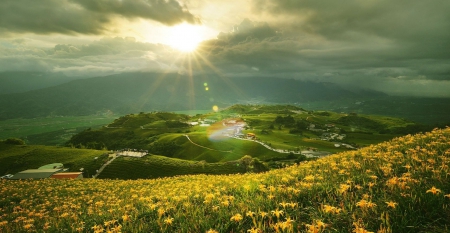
(397, 186)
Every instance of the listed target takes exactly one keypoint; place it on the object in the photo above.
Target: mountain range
(143, 92)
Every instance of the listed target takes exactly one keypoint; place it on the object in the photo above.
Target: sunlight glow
(186, 37)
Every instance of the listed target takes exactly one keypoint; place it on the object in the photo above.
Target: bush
(14, 141)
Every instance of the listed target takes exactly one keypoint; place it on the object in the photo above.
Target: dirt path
(229, 151)
(104, 165)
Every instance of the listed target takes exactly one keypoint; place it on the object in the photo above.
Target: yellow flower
(126, 218)
(447, 195)
(283, 204)
(236, 218)
(212, 231)
(263, 214)
(434, 190)
(289, 222)
(161, 212)
(225, 203)
(277, 213)
(168, 221)
(331, 209)
(254, 230)
(28, 226)
(391, 204)
(250, 214)
(361, 203)
(344, 188)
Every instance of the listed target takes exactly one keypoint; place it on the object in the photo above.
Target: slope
(397, 186)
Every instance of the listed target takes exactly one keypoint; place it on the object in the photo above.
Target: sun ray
(238, 90)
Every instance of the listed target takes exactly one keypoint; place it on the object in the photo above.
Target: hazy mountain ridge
(135, 92)
(18, 82)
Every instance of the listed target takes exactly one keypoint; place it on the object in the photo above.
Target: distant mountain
(16, 82)
(136, 92)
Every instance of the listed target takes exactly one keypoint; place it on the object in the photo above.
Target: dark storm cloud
(356, 56)
(84, 16)
(102, 57)
(405, 19)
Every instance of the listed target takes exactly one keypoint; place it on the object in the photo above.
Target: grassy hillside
(284, 127)
(51, 131)
(397, 186)
(160, 166)
(16, 158)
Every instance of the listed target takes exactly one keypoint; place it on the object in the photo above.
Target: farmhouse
(68, 175)
(35, 174)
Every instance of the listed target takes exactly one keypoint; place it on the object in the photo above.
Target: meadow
(398, 186)
(50, 130)
(16, 158)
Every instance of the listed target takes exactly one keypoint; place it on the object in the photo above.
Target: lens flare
(215, 108)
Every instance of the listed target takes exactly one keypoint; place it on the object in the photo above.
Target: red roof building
(68, 175)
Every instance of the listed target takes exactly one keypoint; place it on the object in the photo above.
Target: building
(68, 175)
(35, 174)
(251, 135)
(52, 166)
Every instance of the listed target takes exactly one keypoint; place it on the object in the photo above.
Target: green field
(16, 158)
(50, 130)
(155, 166)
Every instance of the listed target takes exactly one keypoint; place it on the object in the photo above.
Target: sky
(398, 47)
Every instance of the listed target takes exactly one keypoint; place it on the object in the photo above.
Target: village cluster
(132, 153)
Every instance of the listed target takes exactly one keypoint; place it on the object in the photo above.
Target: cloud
(358, 60)
(85, 16)
(399, 47)
(102, 57)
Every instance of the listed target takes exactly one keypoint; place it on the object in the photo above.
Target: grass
(397, 186)
(16, 158)
(220, 149)
(56, 130)
(155, 166)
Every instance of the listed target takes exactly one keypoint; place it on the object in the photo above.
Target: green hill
(155, 166)
(16, 158)
(281, 127)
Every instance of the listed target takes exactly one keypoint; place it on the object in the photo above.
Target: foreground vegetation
(397, 186)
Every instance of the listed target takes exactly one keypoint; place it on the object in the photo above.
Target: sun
(185, 37)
